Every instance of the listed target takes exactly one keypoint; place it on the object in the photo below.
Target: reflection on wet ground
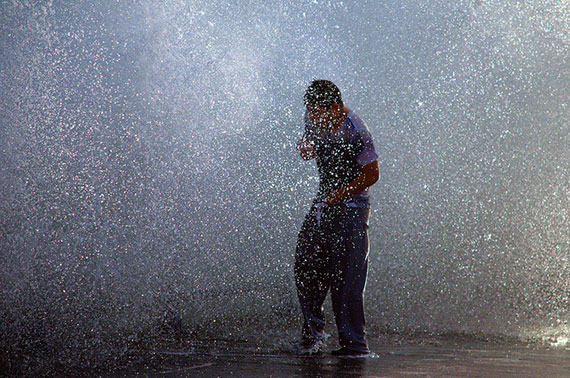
(441, 359)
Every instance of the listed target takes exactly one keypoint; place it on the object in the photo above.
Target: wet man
(332, 246)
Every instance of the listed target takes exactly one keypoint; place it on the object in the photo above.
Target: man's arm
(369, 175)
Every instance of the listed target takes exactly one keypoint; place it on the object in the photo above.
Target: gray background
(148, 169)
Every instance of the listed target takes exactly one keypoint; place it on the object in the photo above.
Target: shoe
(311, 346)
(351, 353)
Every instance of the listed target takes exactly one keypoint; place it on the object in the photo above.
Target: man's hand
(306, 148)
(336, 197)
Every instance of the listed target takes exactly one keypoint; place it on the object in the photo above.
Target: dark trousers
(332, 253)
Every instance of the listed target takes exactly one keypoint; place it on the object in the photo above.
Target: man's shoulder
(357, 126)
(357, 122)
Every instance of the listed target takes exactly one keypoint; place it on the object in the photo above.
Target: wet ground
(434, 358)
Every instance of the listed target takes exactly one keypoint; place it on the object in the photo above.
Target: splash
(149, 176)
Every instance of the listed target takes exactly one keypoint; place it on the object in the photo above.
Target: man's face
(321, 116)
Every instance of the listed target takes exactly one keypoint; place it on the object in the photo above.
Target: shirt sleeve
(367, 153)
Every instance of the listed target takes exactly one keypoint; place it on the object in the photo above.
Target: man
(332, 247)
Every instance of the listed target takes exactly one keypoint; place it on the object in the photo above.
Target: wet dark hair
(322, 93)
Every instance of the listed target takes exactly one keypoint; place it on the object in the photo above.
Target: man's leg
(311, 278)
(348, 277)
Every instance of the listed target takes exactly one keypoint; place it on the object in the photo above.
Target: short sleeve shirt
(340, 156)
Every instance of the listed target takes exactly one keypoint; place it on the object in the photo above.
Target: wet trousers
(332, 253)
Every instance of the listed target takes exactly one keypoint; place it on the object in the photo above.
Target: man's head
(324, 102)
(323, 94)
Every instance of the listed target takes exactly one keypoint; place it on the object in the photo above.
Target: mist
(149, 172)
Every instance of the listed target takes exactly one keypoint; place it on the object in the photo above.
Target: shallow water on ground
(397, 357)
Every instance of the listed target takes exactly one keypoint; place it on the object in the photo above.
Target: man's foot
(310, 346)
(351, 353)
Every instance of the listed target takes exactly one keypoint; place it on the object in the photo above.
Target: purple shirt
(340, 156)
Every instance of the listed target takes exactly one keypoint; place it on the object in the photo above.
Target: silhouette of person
(332, 246)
